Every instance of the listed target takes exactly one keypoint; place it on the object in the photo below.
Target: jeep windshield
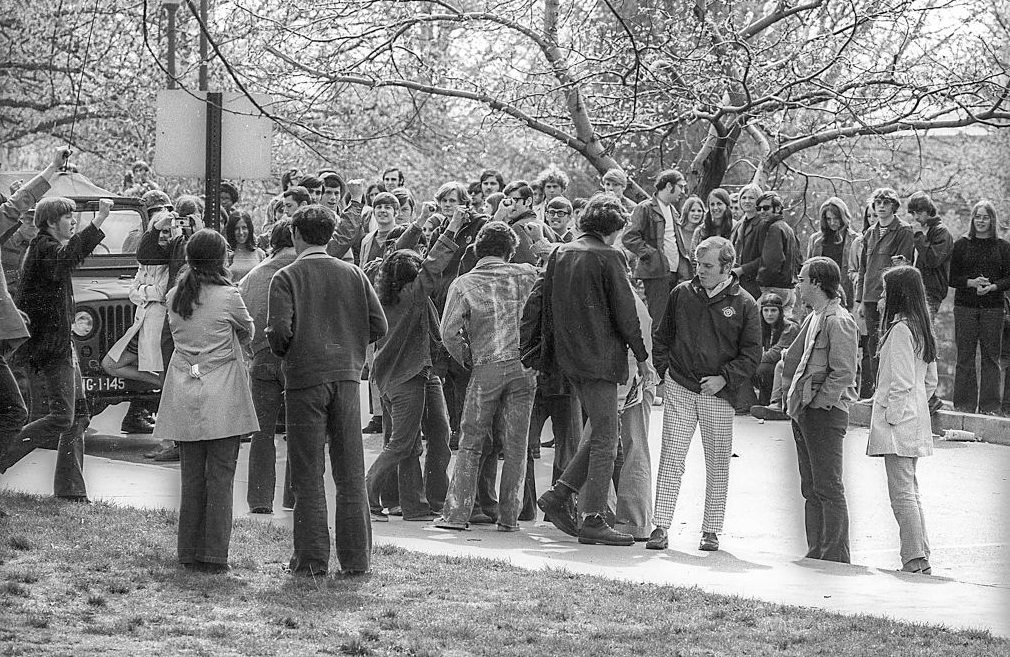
(122, 229)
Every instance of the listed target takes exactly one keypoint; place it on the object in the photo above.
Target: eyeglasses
(557, 213)
(764, 208)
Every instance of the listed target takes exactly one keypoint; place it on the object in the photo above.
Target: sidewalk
(965, 488)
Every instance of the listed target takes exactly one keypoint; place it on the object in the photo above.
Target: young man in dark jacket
(709, 343)
(322, 314)
(47, 298)
(594, 324)
(886, 243)
(934, 246)
(772, 265)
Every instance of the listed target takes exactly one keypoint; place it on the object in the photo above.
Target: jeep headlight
(84, 325)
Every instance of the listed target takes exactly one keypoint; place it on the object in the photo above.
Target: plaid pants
(684, 410)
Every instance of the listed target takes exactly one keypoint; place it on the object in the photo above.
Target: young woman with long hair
(979, 274)
(411, 392)
(900, 428)
(718, 218)
(242, 242)
(834, 239)
(206, 403)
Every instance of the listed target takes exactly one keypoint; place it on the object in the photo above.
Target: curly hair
(604, 214)
(397, 271)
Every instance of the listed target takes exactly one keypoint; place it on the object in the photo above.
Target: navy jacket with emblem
(701, 336)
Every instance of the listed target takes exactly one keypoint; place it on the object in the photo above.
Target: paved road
(965, 493)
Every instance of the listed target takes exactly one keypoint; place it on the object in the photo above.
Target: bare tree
(784, 76)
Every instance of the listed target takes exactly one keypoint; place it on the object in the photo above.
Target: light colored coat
(829, 378)
(147, 292)
(206, 394)
(900, 421)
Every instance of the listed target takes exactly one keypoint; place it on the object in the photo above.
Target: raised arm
(29, 194)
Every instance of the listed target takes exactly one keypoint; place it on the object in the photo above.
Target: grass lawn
(89, 580)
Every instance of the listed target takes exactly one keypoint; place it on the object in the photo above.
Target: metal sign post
(212, 201)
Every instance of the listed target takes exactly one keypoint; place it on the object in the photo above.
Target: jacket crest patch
(728, 311)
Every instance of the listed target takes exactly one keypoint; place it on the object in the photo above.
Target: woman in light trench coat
(206, 404)
(900, 428)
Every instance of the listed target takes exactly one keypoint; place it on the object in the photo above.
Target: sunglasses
(763, 208)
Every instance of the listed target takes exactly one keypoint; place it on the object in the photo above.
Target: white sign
(181, 144)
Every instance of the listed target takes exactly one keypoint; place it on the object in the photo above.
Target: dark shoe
(548, 445)
(596, 531)
(379, 515)
(265, 510)
(535, 452)
(424, 517)
(168, 455)
(659, 540)
(481, 518)
(374, 425)
(709, 542)
(768, 413)
(557, 512)
(936, 405)
(136, 423)
(445, 524)
(396, 511)
(918, 566)
(508, 528)
(741, 411)
(454, 441)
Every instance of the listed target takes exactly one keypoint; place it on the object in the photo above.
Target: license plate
(104, 384)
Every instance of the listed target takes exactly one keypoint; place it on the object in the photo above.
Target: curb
(987, 428)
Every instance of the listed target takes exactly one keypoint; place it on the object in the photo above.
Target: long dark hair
(906, 296)
(205, 256)
(725, 227)
(229, 231)
(398, 270)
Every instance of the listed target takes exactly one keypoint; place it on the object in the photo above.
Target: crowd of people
(481, 313)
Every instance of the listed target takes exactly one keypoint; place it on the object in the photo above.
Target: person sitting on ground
(777, 333)
(241, 238)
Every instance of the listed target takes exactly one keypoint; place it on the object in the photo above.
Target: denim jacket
(480, 324)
